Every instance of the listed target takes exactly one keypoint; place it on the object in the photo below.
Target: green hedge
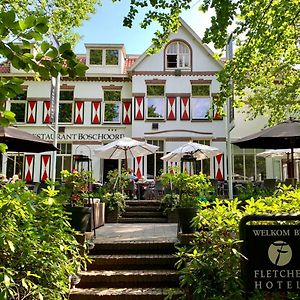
(38, 252)
(210, 267)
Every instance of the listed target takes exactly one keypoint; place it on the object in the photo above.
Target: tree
(265, 67)
(62, 16)
(25, 43)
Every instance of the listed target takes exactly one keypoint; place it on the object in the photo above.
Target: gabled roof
(193, 33)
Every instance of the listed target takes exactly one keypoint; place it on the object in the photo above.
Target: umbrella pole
(292, 162)
(126, 162)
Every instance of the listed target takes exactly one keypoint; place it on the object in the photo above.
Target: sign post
(271, 249)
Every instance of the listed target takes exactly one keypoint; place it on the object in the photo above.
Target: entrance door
(109, 164)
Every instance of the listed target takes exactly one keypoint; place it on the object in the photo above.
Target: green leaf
(3, 147)
(53, 53)
(45, 46)
(11, 246)
(64, 47)
(27, 23)
(8, 18)
(3, 295)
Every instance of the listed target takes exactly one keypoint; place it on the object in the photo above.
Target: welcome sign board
(272, 252)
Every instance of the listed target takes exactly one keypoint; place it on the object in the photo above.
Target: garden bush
(210, 266)
(38, 252)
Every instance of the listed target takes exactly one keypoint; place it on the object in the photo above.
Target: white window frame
(119, 111)
(162, 100)
(103, 62)
(22, 101)
(180, 56)
(194, 110)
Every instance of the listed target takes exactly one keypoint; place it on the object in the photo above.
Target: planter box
(111, 216)
(172, 216)
(79, 217)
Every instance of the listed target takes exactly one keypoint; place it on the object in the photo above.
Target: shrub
(114, 201)
(210, 266)
(38, 254)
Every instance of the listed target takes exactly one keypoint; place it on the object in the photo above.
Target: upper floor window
(66, 106)
(96, 56)
(18, 107)
(155, 102)
(112, 106)
(200, 102)
(106, 57)
(112, 57)
(178, 56)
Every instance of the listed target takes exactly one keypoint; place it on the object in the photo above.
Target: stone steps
(143, 211)
(120, 294)
(131, 270)
(131, 261)
(128, 278)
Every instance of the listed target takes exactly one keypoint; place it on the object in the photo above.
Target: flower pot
(185, 217)
(80, 217)
(111, 216)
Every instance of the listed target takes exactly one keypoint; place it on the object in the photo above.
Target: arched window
(178, 56)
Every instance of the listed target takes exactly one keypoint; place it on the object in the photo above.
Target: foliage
(266, 61)
(76, 186)
(114, 201)
(44, 59)
(245, 192)
(192, 190)
(117, 182)
(210, 267)
(38, 253)
(63, 16)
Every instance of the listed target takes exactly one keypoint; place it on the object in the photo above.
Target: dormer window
(96, 56)
(178, 56)
(104, 57)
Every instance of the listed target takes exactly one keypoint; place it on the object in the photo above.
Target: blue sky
(106, 27)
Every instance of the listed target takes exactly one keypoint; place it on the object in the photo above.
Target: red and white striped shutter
(31, 112)
(219, 167)
(185, 108)
(171, 108)
(79, 106)
(96, 106)
(139, 166)
(45, 167)
(29, 163)
(127, 112)
(139, 108)
(46, 112)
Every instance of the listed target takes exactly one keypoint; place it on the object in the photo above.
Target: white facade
(184, 76)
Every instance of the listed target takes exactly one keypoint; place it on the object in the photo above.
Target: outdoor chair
(130, 190)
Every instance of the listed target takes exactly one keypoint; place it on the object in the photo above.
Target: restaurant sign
(272, 253)
(82, 136)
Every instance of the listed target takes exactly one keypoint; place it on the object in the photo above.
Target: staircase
(143, 211)
(137, 270)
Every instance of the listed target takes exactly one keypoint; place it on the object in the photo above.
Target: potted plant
(186, 195)
(113, 195)
(75, 190)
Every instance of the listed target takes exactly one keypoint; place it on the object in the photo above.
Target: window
(18, 107)
(112, 57)
(96, 56)
(66, 106)
(14, 164)
(200, 102)
(204, 164)
(246, 165)
(155, 104)
(108, 57)
(63, 158)
(154, 163)
(112, 107)
(178, 56)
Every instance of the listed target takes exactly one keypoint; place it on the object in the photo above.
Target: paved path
(137, 232)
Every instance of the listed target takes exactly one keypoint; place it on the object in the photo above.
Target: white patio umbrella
(279, 153)
(198, 151)
(125, 148)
